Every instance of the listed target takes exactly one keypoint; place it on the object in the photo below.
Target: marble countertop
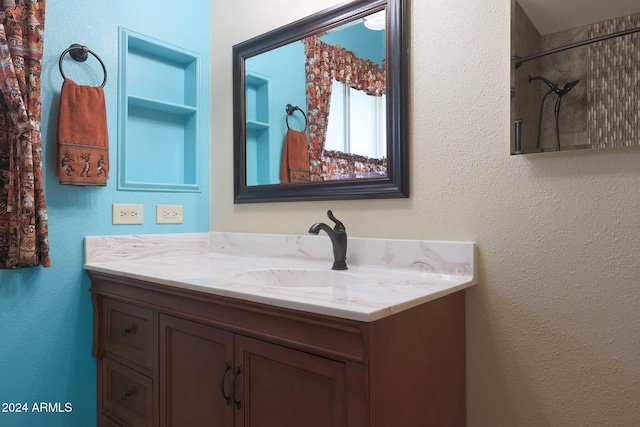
(384, 277)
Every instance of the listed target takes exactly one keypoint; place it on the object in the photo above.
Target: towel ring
(290, 110)
(79, 53)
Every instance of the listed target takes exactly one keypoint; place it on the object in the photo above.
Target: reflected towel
(82, 148)
(295, 157)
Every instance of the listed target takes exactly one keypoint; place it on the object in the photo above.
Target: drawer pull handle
(227, 368)
(233, 386)
(126, 331)
(125, 394)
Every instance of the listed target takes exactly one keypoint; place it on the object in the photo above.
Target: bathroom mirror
(575, 75)
(320, 107)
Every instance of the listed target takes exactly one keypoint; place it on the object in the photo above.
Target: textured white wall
(553, 334)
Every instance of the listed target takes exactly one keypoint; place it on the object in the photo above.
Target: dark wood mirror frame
(395, 184)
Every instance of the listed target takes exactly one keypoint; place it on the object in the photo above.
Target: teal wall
(365, 43)
(46, 314)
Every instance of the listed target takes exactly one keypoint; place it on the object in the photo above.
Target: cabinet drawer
(107, 422)
(127, 393)
(129, 332)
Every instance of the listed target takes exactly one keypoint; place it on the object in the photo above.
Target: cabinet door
(195, 374)
(278, 386)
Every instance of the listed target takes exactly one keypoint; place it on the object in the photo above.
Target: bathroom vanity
(226, 329)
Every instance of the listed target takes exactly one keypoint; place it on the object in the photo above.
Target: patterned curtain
(24, 240)
(323, 63)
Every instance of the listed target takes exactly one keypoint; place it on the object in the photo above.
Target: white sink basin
(295, 277)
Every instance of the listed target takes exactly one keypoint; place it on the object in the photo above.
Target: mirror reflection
(316, 107)
(320, 107)
(575, 75)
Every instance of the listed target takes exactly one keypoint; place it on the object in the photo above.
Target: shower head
(552, 86)
(562, 92)
(568, 87)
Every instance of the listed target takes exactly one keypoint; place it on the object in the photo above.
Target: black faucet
(338, 238)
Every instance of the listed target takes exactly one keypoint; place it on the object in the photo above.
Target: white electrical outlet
(127, 213)
(168, 214)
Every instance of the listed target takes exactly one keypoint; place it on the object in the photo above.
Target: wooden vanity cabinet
(220, 361)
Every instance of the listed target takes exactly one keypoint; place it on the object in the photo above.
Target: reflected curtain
(324, 62)
(24, 240)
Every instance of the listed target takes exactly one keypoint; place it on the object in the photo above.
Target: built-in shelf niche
(257, 135)
(158, 138)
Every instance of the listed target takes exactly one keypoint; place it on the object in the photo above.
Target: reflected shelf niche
(257, 127)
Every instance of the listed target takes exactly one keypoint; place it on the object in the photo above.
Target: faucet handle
(339, 228)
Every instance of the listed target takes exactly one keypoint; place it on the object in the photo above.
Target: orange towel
(82, 149)
(295, 157)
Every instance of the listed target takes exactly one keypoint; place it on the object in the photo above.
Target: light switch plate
(169, 214)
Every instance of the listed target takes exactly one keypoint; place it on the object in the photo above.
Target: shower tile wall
(614, 85)
(603, 110)
(562, 68)
(525, 41)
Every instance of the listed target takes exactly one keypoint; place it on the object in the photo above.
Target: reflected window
(351, 106)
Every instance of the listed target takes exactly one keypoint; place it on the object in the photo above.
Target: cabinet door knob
(126, 331)
(233, 386)
(227, 368)
(125, 394)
